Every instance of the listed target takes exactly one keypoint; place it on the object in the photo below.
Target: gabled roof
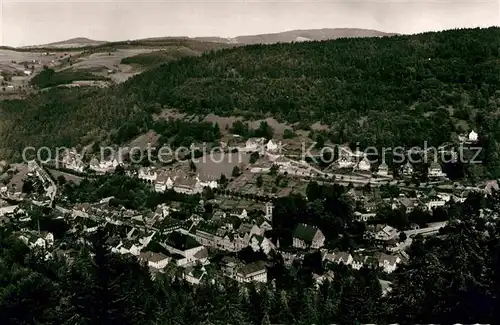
(385, 285)
(252, 268)
(383, 165)
(201, 254)
(435, 165)
(340, 256)
(185, 181)
(229, 260)
(382, 258)
(245, 228)
(305, 232)
(181, 241)
(152, 257)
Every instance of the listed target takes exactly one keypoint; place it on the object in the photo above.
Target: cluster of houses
(186, 244)
(220, 233)
(162, 243)
(260, 145)
(423, 199)
(72, 160)
(50, 188)
(309, 237)
(177, 180)
(387, 262)
(472, 137)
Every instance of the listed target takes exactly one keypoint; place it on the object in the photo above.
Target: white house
(344, 162)
(261, 243)
(161, 184)
(253, 272)
(435, 170)
(339, 257)
(364, 216)
(271, 146)
(282, 161)
(72, 160)
(154, 260)
(42, 240)
(383, 169)
(386, 233)
(358, 262)
(319, 279)
(254, 144)
(207, 181)
(364, 165)
(388, 262)
(240, 213)
(103, 166)
(473, 136)
(435, 202)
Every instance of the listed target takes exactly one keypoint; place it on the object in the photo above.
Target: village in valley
(227, 220)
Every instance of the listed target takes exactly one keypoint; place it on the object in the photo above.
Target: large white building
(154, 260)
(103, 166)
(253, 272)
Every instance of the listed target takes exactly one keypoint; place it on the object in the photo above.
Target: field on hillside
(109, 63)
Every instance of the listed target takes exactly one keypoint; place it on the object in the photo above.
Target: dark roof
(305, 232)
(358, 258)
(435, 165)
(201, 254)
(185, 181)
(251, 268)
(245, 228)
(229, 260)
(181, 241)
(153, 257)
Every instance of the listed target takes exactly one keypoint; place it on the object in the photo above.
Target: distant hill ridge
(302, 35)
(73, 42)
(283, 37)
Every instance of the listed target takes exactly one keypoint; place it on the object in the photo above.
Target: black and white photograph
(249, 162)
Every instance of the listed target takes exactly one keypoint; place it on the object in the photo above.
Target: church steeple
(269, 211)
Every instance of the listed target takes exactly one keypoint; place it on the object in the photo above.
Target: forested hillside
(391, 91)
(400, 90)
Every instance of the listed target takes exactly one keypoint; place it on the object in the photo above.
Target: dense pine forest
(390, 91)
(451, 278)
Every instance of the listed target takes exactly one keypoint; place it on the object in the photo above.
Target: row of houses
(72, 160)
(388, 263)
(260, 145)
(177, 180)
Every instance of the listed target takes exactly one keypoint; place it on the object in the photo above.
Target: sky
(25, 22)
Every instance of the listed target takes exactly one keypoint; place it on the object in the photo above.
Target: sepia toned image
(249, 162)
